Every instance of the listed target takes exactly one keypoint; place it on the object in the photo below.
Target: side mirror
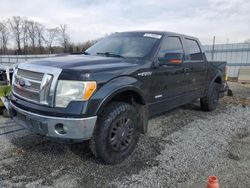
(171, 59)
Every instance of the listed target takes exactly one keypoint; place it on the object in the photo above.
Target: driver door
(169, 84)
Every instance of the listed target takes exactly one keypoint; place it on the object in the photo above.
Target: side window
(170, 45)
(193, 49)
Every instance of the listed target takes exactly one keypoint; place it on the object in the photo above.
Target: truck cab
(107, 94)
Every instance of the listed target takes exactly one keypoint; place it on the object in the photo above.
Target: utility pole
(213, 48)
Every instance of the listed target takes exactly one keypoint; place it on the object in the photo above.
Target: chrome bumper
(55, 127)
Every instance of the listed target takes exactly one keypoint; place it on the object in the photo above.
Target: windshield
(123, 46)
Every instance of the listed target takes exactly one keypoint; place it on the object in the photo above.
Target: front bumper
(55, 127)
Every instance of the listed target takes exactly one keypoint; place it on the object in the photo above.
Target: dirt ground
(183, 147)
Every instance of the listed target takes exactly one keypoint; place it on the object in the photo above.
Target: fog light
(59, 129)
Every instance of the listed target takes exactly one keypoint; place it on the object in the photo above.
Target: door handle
(186, 70)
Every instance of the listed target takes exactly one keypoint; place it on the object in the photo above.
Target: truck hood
(84, 62)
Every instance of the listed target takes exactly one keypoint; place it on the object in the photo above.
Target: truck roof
(160, 33)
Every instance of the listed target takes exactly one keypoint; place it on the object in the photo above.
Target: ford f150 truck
(107, 94)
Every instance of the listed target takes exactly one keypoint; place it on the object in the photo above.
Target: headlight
(68, 91)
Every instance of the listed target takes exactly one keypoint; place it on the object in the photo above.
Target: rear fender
(213, 80)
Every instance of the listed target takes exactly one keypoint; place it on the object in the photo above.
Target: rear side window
(193, 49)
(170, 45)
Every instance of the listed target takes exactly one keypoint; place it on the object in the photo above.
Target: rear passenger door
(195, 59)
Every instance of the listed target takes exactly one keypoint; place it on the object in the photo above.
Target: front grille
(30, 85)
(30, 74)
(34, 96)
(33, 85)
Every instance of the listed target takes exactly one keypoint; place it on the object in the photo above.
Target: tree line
(20, 36)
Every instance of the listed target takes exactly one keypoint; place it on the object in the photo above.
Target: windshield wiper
(109, 54)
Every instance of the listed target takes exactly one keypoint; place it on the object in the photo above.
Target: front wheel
(211, 100)
(116, 133)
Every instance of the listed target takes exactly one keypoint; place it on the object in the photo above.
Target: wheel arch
(133, 96)
(128, 94)
(218, 78)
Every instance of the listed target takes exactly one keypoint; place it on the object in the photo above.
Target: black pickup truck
(107, 94)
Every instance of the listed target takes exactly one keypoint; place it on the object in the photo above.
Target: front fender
(110, 89)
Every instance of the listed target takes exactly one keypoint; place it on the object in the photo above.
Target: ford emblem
(21, 82)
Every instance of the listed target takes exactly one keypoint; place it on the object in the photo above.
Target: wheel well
(129, 97)
(138, 102)
(218, 80)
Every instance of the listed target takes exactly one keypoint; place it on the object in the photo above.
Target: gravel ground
(183, 147)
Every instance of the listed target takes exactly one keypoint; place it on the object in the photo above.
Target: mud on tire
(211, 100)
(116, 133)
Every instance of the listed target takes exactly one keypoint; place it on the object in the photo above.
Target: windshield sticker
(152, 35)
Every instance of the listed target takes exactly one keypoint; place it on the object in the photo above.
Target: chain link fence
(8, 60)
(237, 56)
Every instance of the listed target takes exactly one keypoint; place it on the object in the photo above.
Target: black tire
(116, 133)
(211, 100)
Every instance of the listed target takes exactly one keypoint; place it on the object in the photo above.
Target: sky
(227, 20)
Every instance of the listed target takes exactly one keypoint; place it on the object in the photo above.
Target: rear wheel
(116, 134)
(211, 100)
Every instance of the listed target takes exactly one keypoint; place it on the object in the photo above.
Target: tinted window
(193, 49)
(170, 45)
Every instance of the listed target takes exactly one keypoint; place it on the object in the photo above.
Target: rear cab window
(193, 50)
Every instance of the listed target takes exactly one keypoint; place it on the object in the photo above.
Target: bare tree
(16, 27)
(1, 41)
(25, 35)
(89, 43)
(64, 37)
(4, 36)
(32, 33)
(30, 36)
(40, 29)
(51, 35)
